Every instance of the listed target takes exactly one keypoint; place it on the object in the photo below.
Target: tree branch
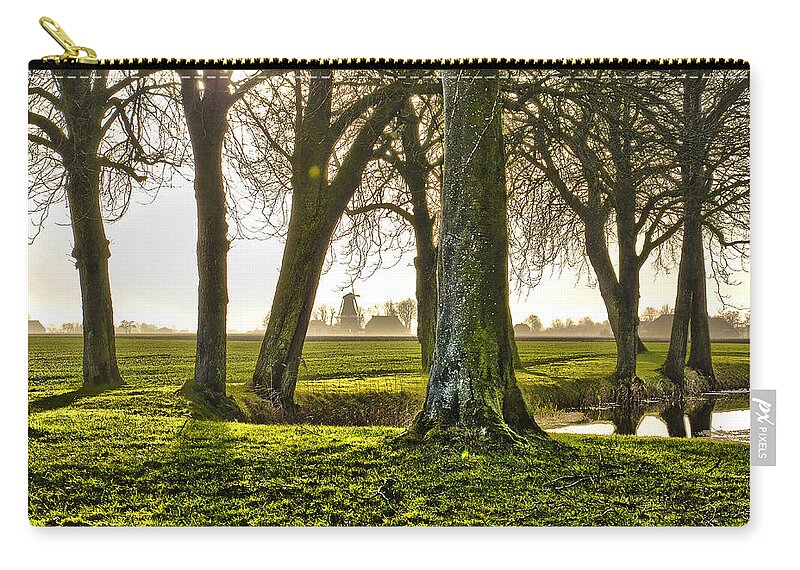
(124, 168)
(58, 139)
(405, 214)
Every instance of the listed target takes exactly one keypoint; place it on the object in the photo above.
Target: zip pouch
(385, 292)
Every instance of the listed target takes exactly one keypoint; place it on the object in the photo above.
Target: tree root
(207, 405)
(494, 436)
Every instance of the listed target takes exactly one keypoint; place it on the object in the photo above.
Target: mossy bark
(275, 376)
(472, 382)
(83, 112)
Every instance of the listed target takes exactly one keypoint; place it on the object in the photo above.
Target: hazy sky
(154, 275)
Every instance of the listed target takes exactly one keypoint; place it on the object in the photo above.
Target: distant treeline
(654, 324)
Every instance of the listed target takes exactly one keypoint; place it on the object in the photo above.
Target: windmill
(349, 315)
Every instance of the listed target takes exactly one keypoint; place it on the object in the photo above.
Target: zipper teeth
(365, 62)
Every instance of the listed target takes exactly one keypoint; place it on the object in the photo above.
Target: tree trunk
(311, 224)
(628, 386)
(91, 251)
(415, 175)
(206, 118)
(690, 312)
(212, 270)
(512, 340)
(317, 205)
(674, 364)
(700, 349)
(628, 304)
(691, 301)
(597, 251)
(307, 241)
(472, 381)
(425, 264)
(640, 347)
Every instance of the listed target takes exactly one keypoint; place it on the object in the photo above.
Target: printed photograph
(338, 295)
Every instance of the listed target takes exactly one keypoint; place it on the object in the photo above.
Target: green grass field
(133, 456)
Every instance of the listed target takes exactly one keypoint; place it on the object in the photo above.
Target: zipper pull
(72, 52)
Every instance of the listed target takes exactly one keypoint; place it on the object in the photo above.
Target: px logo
(762, 427)
(762, 413)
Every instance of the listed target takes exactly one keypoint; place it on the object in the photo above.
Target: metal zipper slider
(72, 52)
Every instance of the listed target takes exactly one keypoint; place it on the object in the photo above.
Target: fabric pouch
(388, 292)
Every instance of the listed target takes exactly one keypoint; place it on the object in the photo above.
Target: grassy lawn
(132, 456)
(377, 374)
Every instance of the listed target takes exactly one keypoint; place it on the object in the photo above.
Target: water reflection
(700, 413)
(732, 420)
(672, 418)
(723, 413)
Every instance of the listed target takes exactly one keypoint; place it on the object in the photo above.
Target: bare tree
(597, 158)
(406, 311)
(336, 125)
(390, 308)
(733, 318)
(70, 328)
(400, 195)
(324, 313)
(533, 322)
(207, 97)
(95, 135)
(713, 150)
(650, 314)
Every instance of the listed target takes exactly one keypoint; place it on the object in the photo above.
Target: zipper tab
(72, 53)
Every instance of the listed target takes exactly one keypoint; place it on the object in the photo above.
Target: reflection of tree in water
(699, 412)
(673, 416)
(626, 414)
(672, 412)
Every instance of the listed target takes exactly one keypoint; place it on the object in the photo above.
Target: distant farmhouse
(661, 328)
(385, 325)
(317, 327)
(522, 330)
(35, 327)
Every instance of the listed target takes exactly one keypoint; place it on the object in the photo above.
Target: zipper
(73, 53)
(76, 56)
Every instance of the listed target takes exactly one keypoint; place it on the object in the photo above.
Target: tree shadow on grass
(65, 399)
(199, 466)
